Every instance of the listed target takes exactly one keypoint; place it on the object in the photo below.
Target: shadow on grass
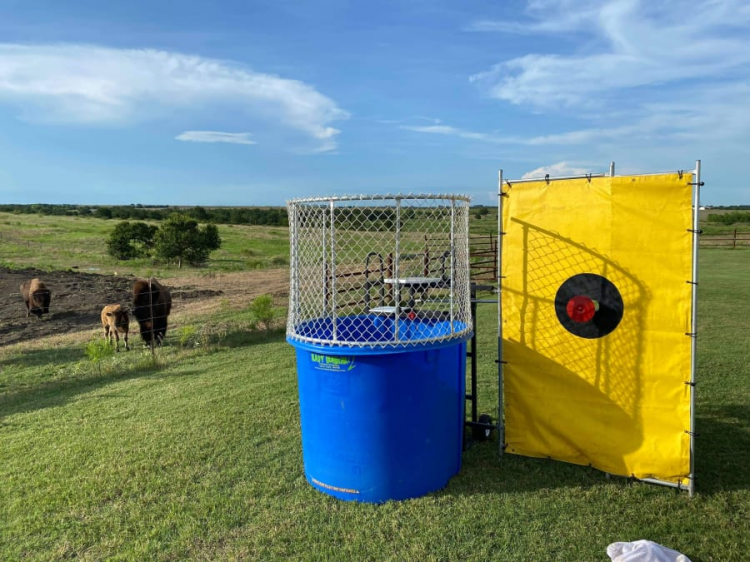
(722, 458)
(482, 472)
(723, 449)
(39, 357)
(55, 393)
(244, 338)
(46, 394)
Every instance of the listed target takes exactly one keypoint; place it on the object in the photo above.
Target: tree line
(266, 216)
(729, 218)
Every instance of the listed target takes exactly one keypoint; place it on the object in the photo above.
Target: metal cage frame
(396, 265)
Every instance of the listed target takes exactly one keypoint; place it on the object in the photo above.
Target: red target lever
(581, 308)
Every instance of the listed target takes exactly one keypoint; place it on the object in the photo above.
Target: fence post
(493, 251)
(151, 317)
(734, 240)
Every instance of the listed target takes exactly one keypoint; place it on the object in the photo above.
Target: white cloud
(632, 44)
(561, 169)
(92, 84)
(455, 132)
(215, 136)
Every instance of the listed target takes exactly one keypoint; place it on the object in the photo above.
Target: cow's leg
(126, 342)
(117, 339)
(106, 334)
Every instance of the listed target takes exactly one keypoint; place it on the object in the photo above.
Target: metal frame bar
(294, 271)
(583, 177)
(383, 197)
(390, 344)
(500, 374)
(334, 313)
(397, 269)
(694, 320)
(586, 176)
(453, 261)
(665, 483)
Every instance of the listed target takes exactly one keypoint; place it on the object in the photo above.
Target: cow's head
(118, 317)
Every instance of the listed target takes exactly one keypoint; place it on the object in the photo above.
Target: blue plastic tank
(381, 423)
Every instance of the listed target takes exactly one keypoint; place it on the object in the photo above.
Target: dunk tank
(379, 316)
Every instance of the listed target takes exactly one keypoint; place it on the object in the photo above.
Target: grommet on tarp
(691, 383)
(546, 178)
(699, 184)
(691, 433)
(692, 334)
(588, 176)
(699, 231)
(691, 282)
(679, 174)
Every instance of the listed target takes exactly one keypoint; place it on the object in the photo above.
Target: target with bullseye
(589, 305)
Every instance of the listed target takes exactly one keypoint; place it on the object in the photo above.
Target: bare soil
(78, 298)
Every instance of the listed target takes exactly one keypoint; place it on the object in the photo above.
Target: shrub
(263, 311)
(98, 349)
(187, 335)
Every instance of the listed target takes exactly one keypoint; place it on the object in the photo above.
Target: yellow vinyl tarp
(618, 402)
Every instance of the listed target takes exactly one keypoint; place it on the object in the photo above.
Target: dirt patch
(78, 298)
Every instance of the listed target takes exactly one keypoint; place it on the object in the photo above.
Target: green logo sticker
(332, 362)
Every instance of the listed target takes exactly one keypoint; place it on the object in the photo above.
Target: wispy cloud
(631, 44)
(447, 130)
(215, 136)
(561, 169)
(568, 138)
(93, 84)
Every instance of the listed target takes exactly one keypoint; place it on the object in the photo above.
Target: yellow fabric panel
(618, 402)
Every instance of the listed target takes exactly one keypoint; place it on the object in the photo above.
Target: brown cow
(36, 296)
(152, 304)
(115, 321)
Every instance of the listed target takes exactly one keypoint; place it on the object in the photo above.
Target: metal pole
(500, 385)
(474, 354)
(324, 247)
(294, 297)
(397, 270)
(151, 316)
(334, 312)
(694, 320)
(453, 256)
(611, 169)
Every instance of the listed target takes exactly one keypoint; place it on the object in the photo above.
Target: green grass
(199, 457)
(60, 242)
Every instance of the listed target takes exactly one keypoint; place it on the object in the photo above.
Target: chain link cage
(379, 272)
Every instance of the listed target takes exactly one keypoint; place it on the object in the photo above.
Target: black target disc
(589, 305)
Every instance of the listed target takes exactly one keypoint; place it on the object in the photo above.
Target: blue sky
(255, 102)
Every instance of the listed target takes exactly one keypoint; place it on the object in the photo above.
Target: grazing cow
(115, 321)
(36, 296)
(151, 306)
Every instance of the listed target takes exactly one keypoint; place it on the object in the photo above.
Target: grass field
(59, 242)
(198, 457)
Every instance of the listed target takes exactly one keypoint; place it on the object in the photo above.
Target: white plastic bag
(643, 551)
